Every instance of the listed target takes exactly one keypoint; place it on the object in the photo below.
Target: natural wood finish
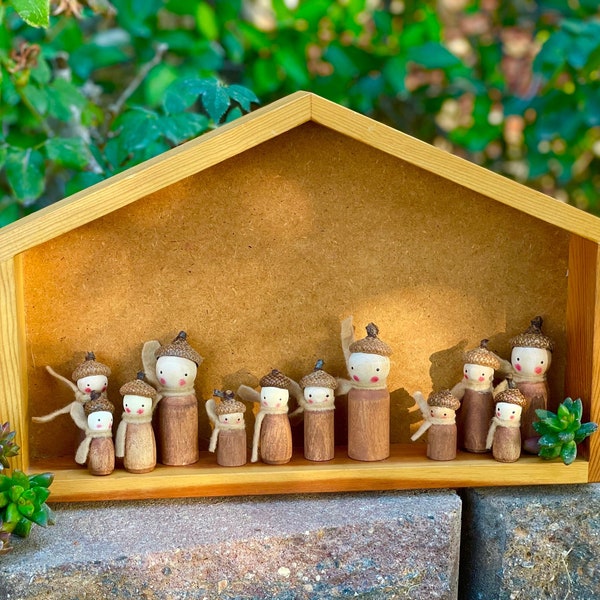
(473, 418)
(506, 447)
(232, 448)
(140, 448)
(275, 447)
(101, 456)
(582, 376)
(441, 442)
(368, 424)
(178, 430)
(537, 398)
(406, 468)
(319, 435)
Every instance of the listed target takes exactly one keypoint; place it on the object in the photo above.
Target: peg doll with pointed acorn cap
(368, 365)
(229, 429)
(172, 369)
(135, 442)
(318, 407)
(476, 393)
(97, 448)
(439, 414)
(89, 376)
(504, 436)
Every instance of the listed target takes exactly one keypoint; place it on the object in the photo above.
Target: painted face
(231, 418)
(439, 412)
(530, 361)
(508, 412)
(368, 370)
(101, 420)
(137, 405)
(317, 395)
(478, 373)
(175, 373)
(274, 397)
(92, 383)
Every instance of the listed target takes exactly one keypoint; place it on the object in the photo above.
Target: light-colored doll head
(91, 375)
(101, 420)
(369, 363)
(443, 405)
(508, 411)
(531, 351)
(274, 391)
(177, 364)
(92, 383)
(137, 405)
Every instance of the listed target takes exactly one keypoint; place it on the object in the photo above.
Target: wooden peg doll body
(368, 365)
(318, 407)
(476, 394)
(504, 436)
(97, 448)
(229, 429)
(439, 414)
(135, 442)
(173, 368)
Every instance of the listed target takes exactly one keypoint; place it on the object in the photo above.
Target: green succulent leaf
(21, 479)
(5, 483)
(584, 431)
(4, 499)
(577, 409)
(549, 440)
(41, 479)
(544, 414)
(550, 452)
(41, 494)
(566, 436)
(11, 517)
(23, 528)
(15, 493)
(563, 412)
(568, 453)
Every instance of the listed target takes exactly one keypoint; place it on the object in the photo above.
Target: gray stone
(368, 545)
(531, 543)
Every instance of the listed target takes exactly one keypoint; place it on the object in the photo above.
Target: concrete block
(368, 545)
(531, 543)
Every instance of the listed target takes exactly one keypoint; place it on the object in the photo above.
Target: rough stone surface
(531, 543)
(371, 545)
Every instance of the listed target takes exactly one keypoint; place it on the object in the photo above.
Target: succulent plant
(8, 448)
(561, 432)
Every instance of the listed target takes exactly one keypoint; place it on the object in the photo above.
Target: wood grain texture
(368, 424)
(101, 457)
(319, 435)
(507, 444)
(232, 448)
(140, 448)
(406, 468)
(178, 430)
(275, 446)
(473, 419)
(441, 442)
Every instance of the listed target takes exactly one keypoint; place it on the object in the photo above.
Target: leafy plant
(22, 497)
(561, 432)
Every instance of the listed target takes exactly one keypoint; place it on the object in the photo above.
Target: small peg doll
(439, 414)
(97, 448)
(90, 376)
(530, 360)
(318, 406)
(135, 442)
(229, 429)
(368, 365)
(172, 369)
(504, 436)
(272, 431)
(476, 393)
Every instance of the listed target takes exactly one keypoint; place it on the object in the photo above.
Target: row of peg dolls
(167, 382)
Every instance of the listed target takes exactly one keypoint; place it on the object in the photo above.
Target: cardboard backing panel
(259, 259)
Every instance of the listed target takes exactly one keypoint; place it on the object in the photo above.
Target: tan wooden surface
(406, 468)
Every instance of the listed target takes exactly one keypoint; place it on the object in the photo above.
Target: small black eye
(161, 372)
(518, 359)
(352, 368)
(310, 395)
(185, 374)
(377, 369)
(541, 362)
(327, 396)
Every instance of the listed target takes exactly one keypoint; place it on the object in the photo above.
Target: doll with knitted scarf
(172, 369)
(135, 442)
(368, 365)
(229, 429)
(439, 414)
(97, 448)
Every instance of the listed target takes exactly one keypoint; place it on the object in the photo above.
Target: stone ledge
(384, 545)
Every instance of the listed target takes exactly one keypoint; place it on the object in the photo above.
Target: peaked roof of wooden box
(262, 125)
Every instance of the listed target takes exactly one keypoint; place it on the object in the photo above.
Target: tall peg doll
(368, 365)
(97, 448)
(476, 393)
(135, 442)
(229, 429)
(172, 369)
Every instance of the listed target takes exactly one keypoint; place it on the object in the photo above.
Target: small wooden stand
(441, 442)
(476, 412)
(232, 449)
(140, 448)
(319, 435)
(101, 456)
(276, 439)
(178, 430)
(368, 424)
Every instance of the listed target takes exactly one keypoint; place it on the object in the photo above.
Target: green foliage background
(512, 85)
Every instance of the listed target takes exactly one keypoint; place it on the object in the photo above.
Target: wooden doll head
(318, 386)
(480, 364)
(229, 411)
(177, 363)
(99, 412)
(91, 375)
(369, 363)
(274, 391)
(138, 396)
(443, 405)
(532, 350)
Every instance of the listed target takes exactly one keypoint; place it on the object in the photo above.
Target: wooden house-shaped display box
(258, 239)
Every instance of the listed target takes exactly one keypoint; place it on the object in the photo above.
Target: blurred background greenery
(92, 87)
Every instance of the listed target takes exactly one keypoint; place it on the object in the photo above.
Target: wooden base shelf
(407, 468)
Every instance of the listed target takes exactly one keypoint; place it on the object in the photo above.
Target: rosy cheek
(482, 379)
(374, 379)
(127, 410)
(311, 401)
(498, 413)
(518, 367)
(265, 403)
(466, 376)
(140, 411)
(104, 388)
(99, 426)
(182, 382)
(163, 380)
(88, 389)
(512, 417)
(538, 370)
(278, 404)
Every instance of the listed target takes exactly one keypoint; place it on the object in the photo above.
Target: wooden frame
(407, 467)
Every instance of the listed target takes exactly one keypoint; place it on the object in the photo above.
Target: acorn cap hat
(512, 396)
(90, 366)
(228, 404)
(97, 403)
(482, 356)
(138, 387)
(371, 344)
(444, 399)
(319, 378)
(275, 379)
(179, 347)
(533, 337)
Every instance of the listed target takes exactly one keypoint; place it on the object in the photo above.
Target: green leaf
(25, 174)
(68, 152)
(215, 101)
(138, 128)
(41, 495)
(584, 431)
(233, 114)
(182, 127)
(243, 96)
(34, 12)
(433, 55)
(548, 440)
(544, 414)
(40, 518)
(549, 452)
(577, 409)
(3, 153)
(82, 181)
(37, 96)
(41, 479)
(11, 517)
(63, 98)
(21, 479)
(569, 453)
(563, 412)
(15, 492)
(41, 72)
(294, 65)
(4, 499)
(566, 437)
(23, 528)
(5, 483)
(206, 21)
(181, 94)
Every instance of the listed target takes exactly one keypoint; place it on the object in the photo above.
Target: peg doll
(439, 414)
(90, 376)
(229, 429)
(504, 436)
(272, 431)
(368, 365)
(97, 448)
(172, 369)
(135, 442)
(475, 392)
(318, 406)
